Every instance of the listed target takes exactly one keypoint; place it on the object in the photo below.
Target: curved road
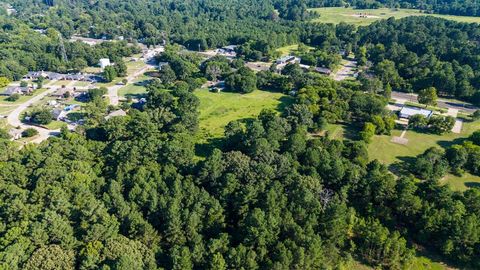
(13, 118)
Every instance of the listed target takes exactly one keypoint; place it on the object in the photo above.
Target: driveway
(346, 71)
(113, 90)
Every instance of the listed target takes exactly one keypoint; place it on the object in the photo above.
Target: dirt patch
(399, 140)
(364, 16)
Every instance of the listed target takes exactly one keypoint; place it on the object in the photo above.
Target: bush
(41, 116)
(97, 92)
(243, 81)
(441, 124)
(367, 133)
(29, 132)
(13, 97)
(4, 134)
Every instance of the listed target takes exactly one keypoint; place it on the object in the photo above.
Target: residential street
(113, 90)
(13, 118)
(443, 103)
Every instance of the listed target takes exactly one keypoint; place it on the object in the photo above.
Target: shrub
(13, 97)
(29, 132)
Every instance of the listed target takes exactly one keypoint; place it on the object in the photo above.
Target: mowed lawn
(218, 109)
(290, 49)
(387, 152)
(349, 15)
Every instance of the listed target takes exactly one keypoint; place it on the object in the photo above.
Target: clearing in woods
(361, 17)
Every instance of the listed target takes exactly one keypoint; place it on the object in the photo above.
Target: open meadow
(387, 152)
(362, 17)
(218, 109)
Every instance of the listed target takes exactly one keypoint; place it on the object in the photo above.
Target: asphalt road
(13, 118)
(442, 103)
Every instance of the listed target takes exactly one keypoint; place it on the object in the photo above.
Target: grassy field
(82, 84)
(287, 50)
(463, 182)
(349, 15)
(55, 125)
(387, 152)
(5, 109)
(218, 109)
(136, 88)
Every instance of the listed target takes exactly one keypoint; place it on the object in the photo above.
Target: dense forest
(275, 192)
(131, 193)
(23, 49)
(418, 52)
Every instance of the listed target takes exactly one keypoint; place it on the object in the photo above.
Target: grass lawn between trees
(218, 109)
(349, 15)
(387, 152)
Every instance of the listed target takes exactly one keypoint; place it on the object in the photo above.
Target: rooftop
(406, 112)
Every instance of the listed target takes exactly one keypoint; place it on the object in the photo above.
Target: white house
(407, 112)
(104, 62)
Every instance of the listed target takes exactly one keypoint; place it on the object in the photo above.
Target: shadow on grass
(285, 101)
(154, 74)
(205, 149)
(446, 144)
(472, 184)
(136, 96)
(400, 168)
(351, 132)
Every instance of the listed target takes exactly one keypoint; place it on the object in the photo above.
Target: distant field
(349, 15)
(218, 109)
(286, 50)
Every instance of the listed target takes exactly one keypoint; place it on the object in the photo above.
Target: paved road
(13, 118)
(442, 103)
(113, 90)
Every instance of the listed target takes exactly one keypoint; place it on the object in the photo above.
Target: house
(289, 59)
(228, 51)
(62, 93)
(230, 48)
(33, 75)
(17, 90)
(104, 62)
(58, 114)
(323, 70)
(407, 112)
(115, 114)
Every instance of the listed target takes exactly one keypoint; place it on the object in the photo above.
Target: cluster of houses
(21, 90)
(290, 59)
(33, 75)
